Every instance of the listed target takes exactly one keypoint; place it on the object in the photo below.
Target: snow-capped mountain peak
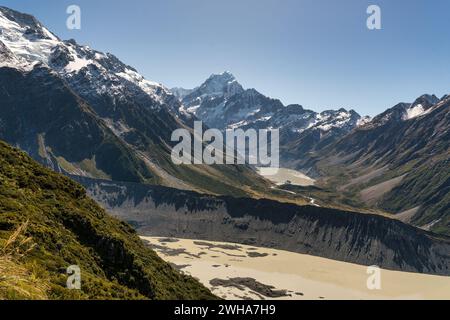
(221, 84)
(25, 37)
(217, 89)
(27, 42)
(218, 107)
(17, 22)
(407, 111)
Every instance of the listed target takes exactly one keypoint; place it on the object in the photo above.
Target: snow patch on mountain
(147, 86)
(363, 121)
(422, 106)
(117, 127)
(415, 111)
(329, 120)
(77, 64)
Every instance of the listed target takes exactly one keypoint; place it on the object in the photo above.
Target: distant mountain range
(399, 162)
(84, 112)
(396, 162)
(221, 102)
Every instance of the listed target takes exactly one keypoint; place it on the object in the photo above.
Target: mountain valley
(95, 173)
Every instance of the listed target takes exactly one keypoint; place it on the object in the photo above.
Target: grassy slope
(69, 228)
(17, 281)
(427, 186)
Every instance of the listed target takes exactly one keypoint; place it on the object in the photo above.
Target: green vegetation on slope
(402, 165)
(426, 187)
(68, 228)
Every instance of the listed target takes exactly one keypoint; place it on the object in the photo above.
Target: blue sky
(317, 53)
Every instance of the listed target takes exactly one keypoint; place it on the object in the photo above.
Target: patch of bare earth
(407, 215)
(369, 175)
(372, 194)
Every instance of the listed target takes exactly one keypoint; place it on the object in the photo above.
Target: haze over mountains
(88, 115)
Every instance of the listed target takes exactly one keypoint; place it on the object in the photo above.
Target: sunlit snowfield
(235, 271)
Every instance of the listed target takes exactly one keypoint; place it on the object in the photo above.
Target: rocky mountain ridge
(345, 236)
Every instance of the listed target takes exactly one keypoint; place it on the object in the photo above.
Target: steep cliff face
(345, 236)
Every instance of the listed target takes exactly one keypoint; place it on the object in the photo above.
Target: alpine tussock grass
(16, 280)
